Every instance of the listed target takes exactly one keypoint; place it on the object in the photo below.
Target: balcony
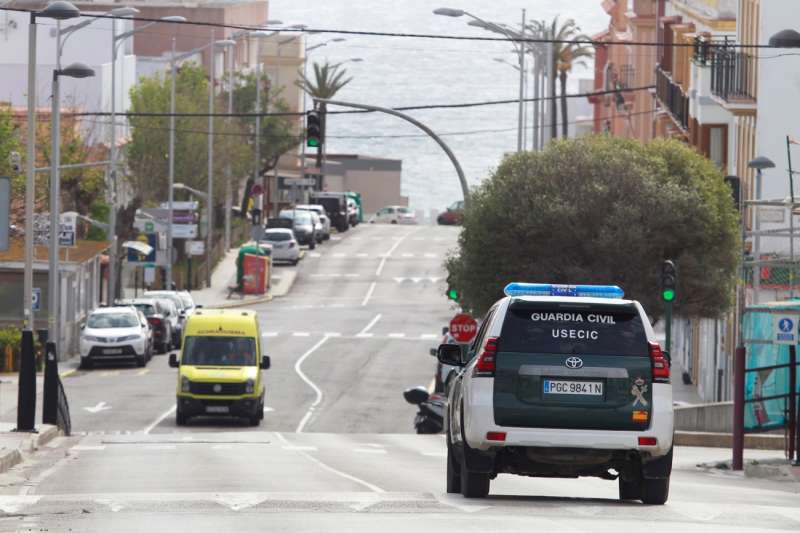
(672, 98)
(733, 75)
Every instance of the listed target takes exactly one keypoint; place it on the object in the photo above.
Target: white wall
(778, 108)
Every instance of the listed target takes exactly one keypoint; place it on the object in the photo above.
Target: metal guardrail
(732, 74)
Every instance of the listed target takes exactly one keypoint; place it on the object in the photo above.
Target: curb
(242, 303)
(725, 440)
(9, 457)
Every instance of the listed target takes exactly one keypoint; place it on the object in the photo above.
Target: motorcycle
(431, 408)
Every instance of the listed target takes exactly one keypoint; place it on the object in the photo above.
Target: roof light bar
(551, 289)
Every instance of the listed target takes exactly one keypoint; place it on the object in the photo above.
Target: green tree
(9, 142)
(602, 210)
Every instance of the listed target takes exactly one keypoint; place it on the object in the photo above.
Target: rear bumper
(479, 420)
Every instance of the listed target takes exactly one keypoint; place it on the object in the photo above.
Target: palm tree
(328, 80)
(565, 55)
(570, 55)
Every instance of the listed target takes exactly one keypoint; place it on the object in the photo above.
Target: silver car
(323, 217)
(284, 245)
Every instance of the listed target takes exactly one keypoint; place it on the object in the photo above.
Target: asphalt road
(335, 451)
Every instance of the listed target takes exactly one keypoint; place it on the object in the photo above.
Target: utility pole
(170, 192)
(228, 168)
(210, 185)
(522, 76)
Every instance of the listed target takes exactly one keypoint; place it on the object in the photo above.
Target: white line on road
(270, 334)
(300, 448)
(160, 419)
(367, 484)
(301, 334)
(369, 450)
(310, 383)
(369, 293)
(392, 249)
(397, 335)
(364, 332)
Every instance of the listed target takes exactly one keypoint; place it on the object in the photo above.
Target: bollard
(50, 390)
(26, 397)
(738, 408)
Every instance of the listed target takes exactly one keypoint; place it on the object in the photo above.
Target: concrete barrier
(707, 417)
(725, 440)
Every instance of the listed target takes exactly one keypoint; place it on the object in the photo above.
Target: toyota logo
(218, 388)
(573, 362)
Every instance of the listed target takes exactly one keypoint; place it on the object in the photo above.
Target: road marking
(396, 335)
(159, 447)
(367, 484)
(416, 279)
(160, 419)
(391, 250)
(369, 293)
(270, 334)
(431, 256)
(428, 336)
(300, 448)
(109, 373)
(86, 448)
(332, 334)
(310, 383)
(301, 334)
(339, 254)
(314, 254)
(68, 372)
(101, 406)
(434, 454)
(365, 332)
(362, 255)
(407, 255)
(143, 371)
(369, 450)
(352, 275)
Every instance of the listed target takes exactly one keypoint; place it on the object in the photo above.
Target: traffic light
(313, 129)
(452, 293)
(669, 281)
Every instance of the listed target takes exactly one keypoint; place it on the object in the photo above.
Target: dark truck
(335, 204)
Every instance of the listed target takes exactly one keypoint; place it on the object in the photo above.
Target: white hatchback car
(116, 333)
(395, 214)
(284, 245)
(561, 381)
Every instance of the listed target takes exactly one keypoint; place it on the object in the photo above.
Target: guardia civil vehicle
(561, 381)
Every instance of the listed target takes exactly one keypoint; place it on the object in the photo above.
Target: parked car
(335, 204)
(303, 226)
(453, 215)
(154, 312)
(395, 214)
(284, 245)
(115, 333)
(188, 303)
(323, 217)
(171, 313)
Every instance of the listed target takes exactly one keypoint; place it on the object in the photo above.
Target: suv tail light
(659, 363)
(486, 359)
(155, 321)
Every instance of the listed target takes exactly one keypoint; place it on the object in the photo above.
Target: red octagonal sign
(463, 328)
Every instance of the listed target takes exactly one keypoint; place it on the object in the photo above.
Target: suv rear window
(573, 328)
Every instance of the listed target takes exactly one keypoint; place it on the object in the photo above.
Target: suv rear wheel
(453, 471)
(655, 491)
(630, 489)
(473, 484)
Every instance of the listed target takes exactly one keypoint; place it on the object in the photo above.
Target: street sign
(785, 331)
(463, 328)
(257, 189)
(36, 299)
(184, 231)
(5, 209)
(149, 227)
(67, 230)
(149, 275)
(180, 206)
(195, 247)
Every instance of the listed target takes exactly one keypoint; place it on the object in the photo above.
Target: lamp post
(116, 42)
(519, 48)
(759, 164)
(75, 70)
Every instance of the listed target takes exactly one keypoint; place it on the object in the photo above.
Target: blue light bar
(550, 289)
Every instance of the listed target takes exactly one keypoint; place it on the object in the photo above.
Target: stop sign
(463, 328)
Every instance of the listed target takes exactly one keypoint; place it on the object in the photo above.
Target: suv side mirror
(173, 360)
(265, 362)
(434, 352)
(450, 354)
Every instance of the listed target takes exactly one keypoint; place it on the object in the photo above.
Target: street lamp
(759, 164)
(26, 406)
(116, 42)
(65, 33)
(183, 187)
(785, 39)
(520, 48)
(75, 70)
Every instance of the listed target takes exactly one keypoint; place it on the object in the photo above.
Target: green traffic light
(452, 294)
(668, 295)
(313, 143)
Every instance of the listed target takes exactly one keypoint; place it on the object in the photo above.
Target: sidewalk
(224, 275)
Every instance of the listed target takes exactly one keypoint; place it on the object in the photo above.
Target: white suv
(114, 333)
(561, 381)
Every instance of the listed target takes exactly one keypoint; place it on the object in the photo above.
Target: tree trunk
(564, 118)
(553, 105)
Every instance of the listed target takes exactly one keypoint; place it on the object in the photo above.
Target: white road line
(396, 335)
(369, 293)
(332, 334)
(428, 336)
(369, 450)
(365, 331)
(270, 334)
(159, 447)
(301, 334)
(362, 255)
(160, 419)
(300, 448)
(367, 484)
(391, 250)
(310, 383)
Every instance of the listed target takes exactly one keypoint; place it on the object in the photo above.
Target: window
(717, 139)
(219, 351)
(113, 320)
